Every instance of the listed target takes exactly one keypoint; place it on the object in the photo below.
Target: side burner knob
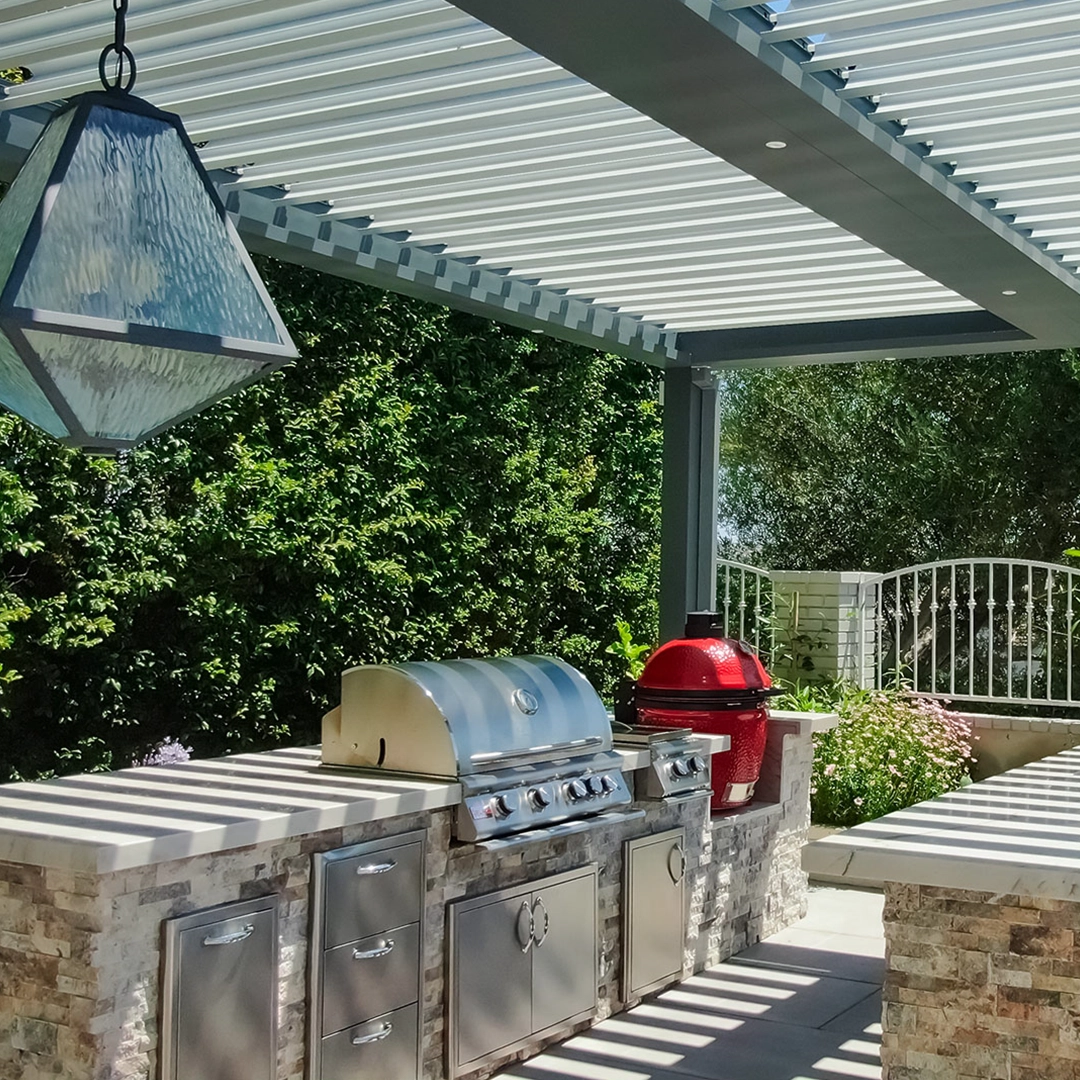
(540, 797)
(697, 764)
(680, 767)
(576, 790)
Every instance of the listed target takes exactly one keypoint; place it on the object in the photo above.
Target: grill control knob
(608, 783)
(697, 764)
(540, 797)
(576, 790)
(595, 785)
(680, 767)
(505, 805)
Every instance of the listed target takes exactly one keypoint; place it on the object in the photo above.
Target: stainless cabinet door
(491, 978)
(226, 998)
(564, 954)
(655, 928)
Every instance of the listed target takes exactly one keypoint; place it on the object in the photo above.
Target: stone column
(824, 619)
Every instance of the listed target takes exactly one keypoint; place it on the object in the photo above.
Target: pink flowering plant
(889, 751)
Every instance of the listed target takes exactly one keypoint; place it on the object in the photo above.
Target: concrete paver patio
(803, 1005)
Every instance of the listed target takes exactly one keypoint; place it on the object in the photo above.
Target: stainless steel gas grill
(527, 737)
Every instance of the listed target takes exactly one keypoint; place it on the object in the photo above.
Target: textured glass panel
(133, 236)
(121, 391)
(22, 395)
(18, 205)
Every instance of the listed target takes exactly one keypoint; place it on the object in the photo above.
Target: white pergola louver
(412, 144)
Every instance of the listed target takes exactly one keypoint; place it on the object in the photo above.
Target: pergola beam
(706, 74)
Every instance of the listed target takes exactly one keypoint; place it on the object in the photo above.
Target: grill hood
(460, 717)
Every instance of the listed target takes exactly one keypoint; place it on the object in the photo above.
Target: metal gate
(993, 630)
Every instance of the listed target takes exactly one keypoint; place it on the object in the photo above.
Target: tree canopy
(875, 466)
(423, 484)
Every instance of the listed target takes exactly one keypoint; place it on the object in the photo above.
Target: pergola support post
(688, 497)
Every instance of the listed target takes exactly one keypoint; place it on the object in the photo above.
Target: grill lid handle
(574, 745)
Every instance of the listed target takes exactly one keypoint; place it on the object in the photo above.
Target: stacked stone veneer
(980, 985)
(80, 954)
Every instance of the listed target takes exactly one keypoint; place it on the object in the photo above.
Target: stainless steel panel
(219, 994)
(396, 865)
(491, 983)
(462, 716)
(385, 1048)
(373, 892)
(654, 931)
(369, 977)
(564, 954)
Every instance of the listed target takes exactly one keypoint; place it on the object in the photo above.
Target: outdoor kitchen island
(982, 925)
(92, 867)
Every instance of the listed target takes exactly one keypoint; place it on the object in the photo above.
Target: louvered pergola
(698, 184)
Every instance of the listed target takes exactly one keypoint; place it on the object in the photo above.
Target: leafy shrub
(423, 484)
(888, 751)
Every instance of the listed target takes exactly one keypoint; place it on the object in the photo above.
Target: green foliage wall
(876, 466)
(421, 485)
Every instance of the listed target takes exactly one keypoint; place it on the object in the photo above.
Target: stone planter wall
(980, 986)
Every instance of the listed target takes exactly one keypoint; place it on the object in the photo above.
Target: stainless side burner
(679, 762)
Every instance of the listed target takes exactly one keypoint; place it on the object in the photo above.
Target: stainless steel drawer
(384, 1048)
(370, 977)
(370, 893)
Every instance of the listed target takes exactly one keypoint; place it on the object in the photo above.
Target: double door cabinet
(366, 951)
(523, 961)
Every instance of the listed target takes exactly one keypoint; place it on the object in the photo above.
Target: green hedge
(422, 484)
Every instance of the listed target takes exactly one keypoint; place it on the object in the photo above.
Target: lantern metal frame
(265, 356)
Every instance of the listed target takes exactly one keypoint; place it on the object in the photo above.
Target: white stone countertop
(816, 721)
(99, 822)
(1017, 833)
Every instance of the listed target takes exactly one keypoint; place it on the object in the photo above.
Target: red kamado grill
(715, 686)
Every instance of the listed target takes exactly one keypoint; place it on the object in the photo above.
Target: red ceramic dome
(704, 664)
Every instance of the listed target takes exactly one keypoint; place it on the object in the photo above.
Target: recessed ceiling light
(1008, 292)
(776, 144)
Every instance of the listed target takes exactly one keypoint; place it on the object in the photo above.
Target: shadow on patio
(803, 1005)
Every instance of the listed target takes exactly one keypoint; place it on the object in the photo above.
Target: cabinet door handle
(374, 954)
(677, 876)
(376, 868)
(231, 939)
(525, 933)
(375, 1036)
(539, 903)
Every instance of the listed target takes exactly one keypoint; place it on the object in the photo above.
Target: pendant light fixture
(127, 300)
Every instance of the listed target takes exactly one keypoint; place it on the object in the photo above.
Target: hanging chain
(124, 77)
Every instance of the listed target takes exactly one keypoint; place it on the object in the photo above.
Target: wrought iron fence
(744, 601)
(999, 630)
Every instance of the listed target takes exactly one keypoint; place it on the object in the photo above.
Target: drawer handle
(374, 954)
(375, 1036)
(677, 870)
(525, 926)
(231, 939)
(539, 941)
(376, 868)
